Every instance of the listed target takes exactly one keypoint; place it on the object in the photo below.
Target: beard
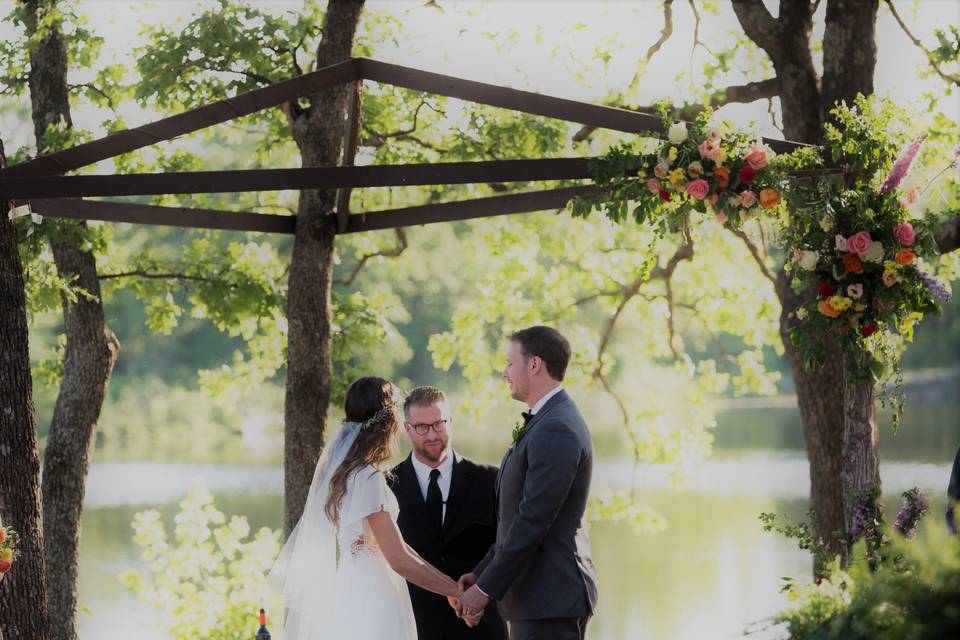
(433, 454)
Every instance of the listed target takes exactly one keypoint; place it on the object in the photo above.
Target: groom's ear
(535, 364)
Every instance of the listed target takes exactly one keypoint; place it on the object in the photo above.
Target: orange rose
(5, 565)
(852, 263)
(769, 197)
(722, 174)
(827, 310)
(905, 256)
(3, 535)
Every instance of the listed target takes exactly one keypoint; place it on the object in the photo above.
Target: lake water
(711, 574)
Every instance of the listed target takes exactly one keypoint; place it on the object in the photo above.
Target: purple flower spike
(955, 154)
(901, 166)
(933, 286)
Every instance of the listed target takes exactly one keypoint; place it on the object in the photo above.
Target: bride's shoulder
(366, 473)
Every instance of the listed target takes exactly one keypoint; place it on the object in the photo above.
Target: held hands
(471, 603)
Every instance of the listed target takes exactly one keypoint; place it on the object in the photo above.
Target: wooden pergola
(41, 182)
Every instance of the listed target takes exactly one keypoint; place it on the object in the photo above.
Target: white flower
(826, 223)
(678, 133)
(809, 260)
(802, 313)
(874, 253)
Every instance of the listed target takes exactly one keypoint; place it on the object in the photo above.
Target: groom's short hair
(547, 344)
(422, 397)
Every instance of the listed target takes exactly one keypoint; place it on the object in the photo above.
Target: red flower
(664, 196)
(747, 174)
(868, 329)
(826, 290)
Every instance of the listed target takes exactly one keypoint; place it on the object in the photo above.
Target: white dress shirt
(544, 399)
(446, 475)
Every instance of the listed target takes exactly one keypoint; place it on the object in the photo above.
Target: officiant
(447, 514)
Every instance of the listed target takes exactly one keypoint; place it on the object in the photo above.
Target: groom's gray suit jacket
(540, 565)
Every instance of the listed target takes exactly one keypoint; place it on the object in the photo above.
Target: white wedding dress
(336, 583)
(372, 601)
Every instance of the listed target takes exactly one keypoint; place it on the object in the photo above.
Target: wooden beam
(29, 187)
(354, 69)
(468, 209)
(233, 221)
(187, 122)
(163, 216)
(525, 101)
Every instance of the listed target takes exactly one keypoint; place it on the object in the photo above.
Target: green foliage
(915, 596)
(206, 580)
(805, 535)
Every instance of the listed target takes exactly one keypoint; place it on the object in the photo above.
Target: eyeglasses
(423, 428)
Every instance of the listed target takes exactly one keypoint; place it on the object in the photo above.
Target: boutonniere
(519, 429)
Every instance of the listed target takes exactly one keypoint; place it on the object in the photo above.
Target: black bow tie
(526, 417)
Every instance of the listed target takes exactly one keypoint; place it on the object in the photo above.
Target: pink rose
(721, 217)
(859, 243)
(698, 188)
(713, 197)
(904, 233)
(653, 185)
(855, 291)
(757, 158)
(708, 151)
(748, 199)
(890, 279)
(662, 170)
(841, 243)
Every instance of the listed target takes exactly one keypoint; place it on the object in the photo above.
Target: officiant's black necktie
(435, 499)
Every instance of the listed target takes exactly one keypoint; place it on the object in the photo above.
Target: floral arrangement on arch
(861, 254)
(698, 166)
(8, 549)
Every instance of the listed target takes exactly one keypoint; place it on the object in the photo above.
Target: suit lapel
(554, 400)
(460, 480)
(411, 488)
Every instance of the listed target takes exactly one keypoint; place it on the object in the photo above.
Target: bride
(343, 568)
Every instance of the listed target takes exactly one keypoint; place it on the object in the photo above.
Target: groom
(539, 569)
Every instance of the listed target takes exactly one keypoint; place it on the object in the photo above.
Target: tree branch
(154, 276)
(760, 26)
(95, 89)
(665, 33)
(764, 269)
(392, 253)
(933, 63)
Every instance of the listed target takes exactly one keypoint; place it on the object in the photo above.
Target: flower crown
(384, 411)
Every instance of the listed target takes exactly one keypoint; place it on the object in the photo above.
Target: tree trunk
(861, 465)
(849, 54)
(319, 132)
(23, 593)
(91, 353)
(819, 397)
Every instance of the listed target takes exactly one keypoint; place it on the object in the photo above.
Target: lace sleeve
(368, 493)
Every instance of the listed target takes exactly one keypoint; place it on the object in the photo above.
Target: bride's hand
(454, 601)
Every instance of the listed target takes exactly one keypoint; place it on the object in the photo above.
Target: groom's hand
(471, 605)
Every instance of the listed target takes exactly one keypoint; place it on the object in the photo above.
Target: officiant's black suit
(468, 530)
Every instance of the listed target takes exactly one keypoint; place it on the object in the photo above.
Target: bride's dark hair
(372, 402)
